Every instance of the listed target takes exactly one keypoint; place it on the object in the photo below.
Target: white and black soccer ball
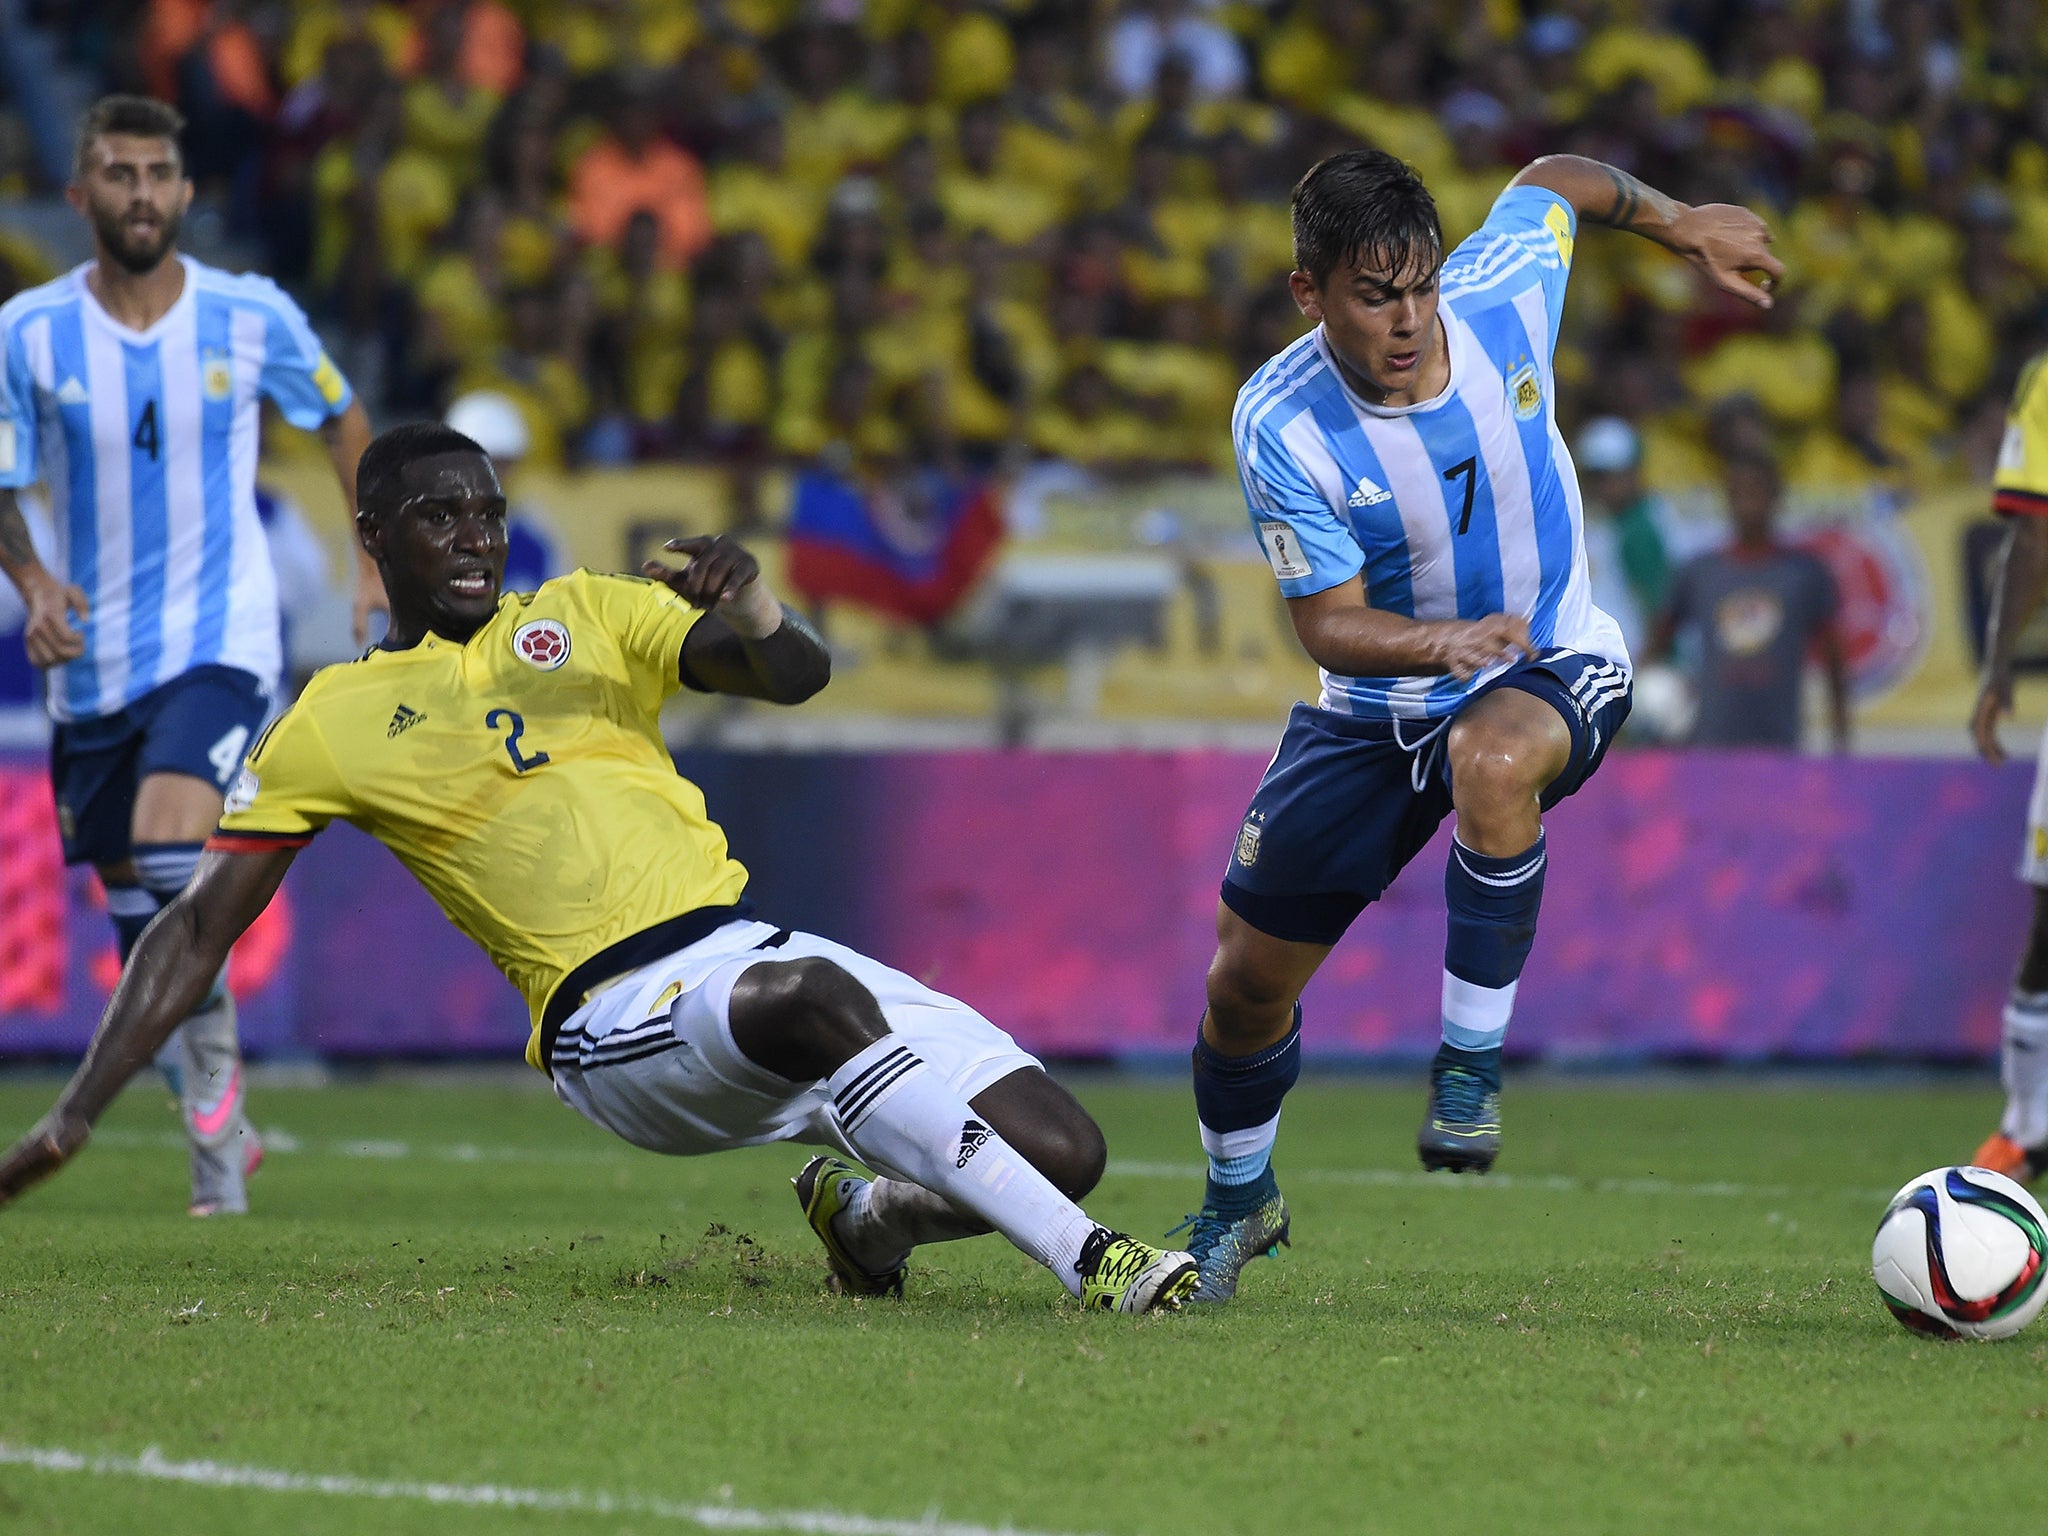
(1962, 1253)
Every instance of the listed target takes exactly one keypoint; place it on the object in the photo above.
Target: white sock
(889, 1217)
(1475, 1018)
(907, 1122)
(2023, 1065)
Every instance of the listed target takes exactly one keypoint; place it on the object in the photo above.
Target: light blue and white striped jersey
(146, 442)
(1459, 507)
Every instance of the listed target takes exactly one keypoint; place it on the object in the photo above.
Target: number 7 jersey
(521, 777)
(1456, 508)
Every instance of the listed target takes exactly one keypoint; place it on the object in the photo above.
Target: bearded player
(507, 749)
(131, 388)
(1404, 470)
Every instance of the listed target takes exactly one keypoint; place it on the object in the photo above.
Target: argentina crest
(1525, 392)
(542, 643)
(1248, 839)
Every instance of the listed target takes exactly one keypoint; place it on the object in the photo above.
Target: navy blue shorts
(200, 723)
(1339, 812)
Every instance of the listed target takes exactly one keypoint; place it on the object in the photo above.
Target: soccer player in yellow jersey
(2019, 1147)
(505, 747)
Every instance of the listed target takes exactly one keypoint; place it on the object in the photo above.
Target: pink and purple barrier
(1699, 906)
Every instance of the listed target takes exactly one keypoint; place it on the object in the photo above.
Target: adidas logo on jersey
(1369, 495)
(71, 392)
(403, 719)
(973, 1137)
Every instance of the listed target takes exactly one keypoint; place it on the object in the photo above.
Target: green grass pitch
(1658, 1317)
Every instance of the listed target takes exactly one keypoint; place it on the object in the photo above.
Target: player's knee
(1244, 1001)
(1495, 768)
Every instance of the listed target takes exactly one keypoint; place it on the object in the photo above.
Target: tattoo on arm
(1628, 199)
(17, 549)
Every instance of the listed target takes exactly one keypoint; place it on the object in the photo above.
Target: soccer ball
(1962, 1253)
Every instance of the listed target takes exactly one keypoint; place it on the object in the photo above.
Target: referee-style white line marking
(154, 1466)
(279, 1141)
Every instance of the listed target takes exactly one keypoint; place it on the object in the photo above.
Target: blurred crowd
(974, 231)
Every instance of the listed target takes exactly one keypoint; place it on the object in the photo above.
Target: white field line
(154, 1466)
(277, 1140)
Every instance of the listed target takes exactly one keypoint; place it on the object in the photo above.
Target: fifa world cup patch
(1525, 392)
(243, 795)
(542, 643)
(1283, 550)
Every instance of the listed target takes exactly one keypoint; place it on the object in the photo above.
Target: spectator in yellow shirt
(976, 195)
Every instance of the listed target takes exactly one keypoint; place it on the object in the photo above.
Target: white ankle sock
(889, 1217)
(2023, 1065)
(907, 1122)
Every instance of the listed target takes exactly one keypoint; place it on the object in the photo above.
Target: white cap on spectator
(495, 423)
(1608, 442)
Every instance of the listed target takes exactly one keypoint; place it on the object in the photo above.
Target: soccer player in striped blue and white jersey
(1405, 473)
(131, 389)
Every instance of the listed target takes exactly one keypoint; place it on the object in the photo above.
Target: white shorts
(651, 1057)
(2034, 856)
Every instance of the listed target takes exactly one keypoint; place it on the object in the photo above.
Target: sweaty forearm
(1368, 642)
(2016, 592)
(164, 980)
(1604, 194)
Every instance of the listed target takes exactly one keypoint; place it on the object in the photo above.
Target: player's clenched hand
(50, 638)
(1724, 241)
(1994, 700)
(1463, 647)
(722, 576)
(41, 1153)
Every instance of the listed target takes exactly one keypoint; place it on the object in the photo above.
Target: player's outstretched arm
(748, 643)
(2015, 594)
(1343, 635)
(50, 638)
(1721, 239)
(165, 978)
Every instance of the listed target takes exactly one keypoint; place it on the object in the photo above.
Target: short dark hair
(385, 460)
(144, 117)
(1364, 206)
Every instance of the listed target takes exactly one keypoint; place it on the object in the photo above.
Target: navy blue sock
(129, 908)
(1237, 1099)
(1492, 906)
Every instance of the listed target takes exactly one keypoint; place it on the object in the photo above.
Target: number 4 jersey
(1460, 507)
(146, 442)
(521, 777)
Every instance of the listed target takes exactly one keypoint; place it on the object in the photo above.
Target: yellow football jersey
(521, 777)
(2020, 484)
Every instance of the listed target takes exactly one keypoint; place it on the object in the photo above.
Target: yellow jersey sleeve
(2019, 487)
(649, 623)
(290, 787)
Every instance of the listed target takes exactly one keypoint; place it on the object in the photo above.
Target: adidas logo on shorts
(973, 1136)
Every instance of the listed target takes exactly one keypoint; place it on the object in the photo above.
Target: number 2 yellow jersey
(521, 777)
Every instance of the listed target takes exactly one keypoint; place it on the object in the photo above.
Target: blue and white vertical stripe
(1457, 508)
(146, 442)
